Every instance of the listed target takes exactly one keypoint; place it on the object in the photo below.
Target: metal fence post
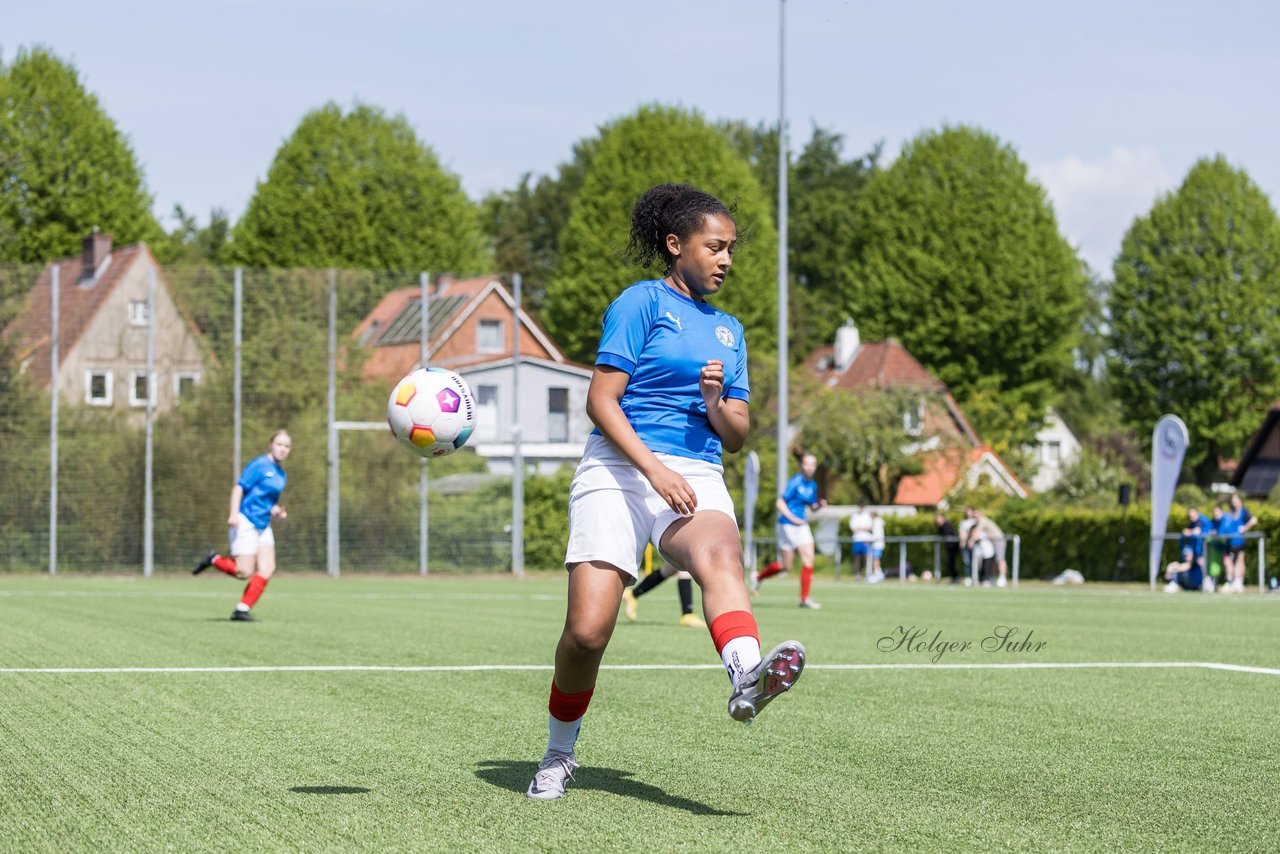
(55, 285)
(1017, 557)
(237, 325)
(424, 281)
(902, 563)
(148, 500)
(331, 539)
(517, 452)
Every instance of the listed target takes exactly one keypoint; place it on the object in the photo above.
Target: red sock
(806, 581)
(226, 564)
(733, 624)
(772, 569)
(253, 590)
(568, 707)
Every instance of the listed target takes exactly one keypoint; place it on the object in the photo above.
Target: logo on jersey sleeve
(725, 336)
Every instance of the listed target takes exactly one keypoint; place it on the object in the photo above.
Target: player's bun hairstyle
(677, 209)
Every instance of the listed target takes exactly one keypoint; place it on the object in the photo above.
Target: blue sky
(1109, 103)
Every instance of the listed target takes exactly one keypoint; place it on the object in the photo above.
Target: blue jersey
(1241, 519)
(262, 481)
(662, 339)
(1226, 527)
(800, 494)
(1195, 540)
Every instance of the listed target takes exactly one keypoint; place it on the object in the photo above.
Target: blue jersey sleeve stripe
(613, 360)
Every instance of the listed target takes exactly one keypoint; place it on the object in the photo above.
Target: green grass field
(855, 758)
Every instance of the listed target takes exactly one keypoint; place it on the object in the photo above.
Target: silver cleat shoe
(554, 771)
(775, 674)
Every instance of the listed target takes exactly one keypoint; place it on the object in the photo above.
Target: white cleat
(554, 771)
(774, 675)
(809, 603)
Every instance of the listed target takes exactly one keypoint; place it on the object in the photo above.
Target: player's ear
(673, 245)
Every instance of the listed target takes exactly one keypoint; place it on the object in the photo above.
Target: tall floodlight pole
(783, 323)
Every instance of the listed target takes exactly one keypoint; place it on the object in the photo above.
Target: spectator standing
(860, 524)
(950, 542)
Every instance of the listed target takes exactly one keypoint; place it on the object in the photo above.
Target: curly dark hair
(677, 209)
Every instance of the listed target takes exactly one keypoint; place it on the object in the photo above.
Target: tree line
(952, 249)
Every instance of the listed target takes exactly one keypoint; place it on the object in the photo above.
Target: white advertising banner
(750, 489)
(1168, 447)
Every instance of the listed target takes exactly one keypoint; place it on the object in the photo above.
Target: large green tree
(64, 166)
(859, 437)
(1195, 313)
(658, 145)
(959, 257)
(823, 189)
(524, 223)
(359, 190)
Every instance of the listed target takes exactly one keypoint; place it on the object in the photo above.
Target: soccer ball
(432, 411)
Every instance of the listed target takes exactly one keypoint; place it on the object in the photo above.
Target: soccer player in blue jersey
(1237, 521)
(793, 531)
(255, 501)
(669, 392)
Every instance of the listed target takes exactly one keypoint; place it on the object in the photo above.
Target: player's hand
(278, 512)
(233, 521)
(711, 382)
(674, 490)
(822, 502)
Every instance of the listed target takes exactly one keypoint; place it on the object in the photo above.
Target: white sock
(740, 655)
(240, 606)
(563, 733)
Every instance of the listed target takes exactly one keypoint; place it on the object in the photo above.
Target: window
(138, 312)
(486, 413)
(138, 387)
(557, 415)
(1053, 453)
(489, 337)
(913, 419)
(184, 382)
(97, 388)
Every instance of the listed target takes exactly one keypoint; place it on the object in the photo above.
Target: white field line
(481, 668)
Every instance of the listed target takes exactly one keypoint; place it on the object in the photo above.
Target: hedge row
(1057, 538)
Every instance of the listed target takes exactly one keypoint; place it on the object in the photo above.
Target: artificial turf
(1088, 758)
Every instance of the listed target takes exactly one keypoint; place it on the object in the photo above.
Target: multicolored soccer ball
(432, 411)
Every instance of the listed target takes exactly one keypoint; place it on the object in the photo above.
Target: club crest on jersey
(725, 336)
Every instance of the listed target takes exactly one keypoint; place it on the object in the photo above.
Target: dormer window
(489, 337)
(913, 418)
(138, 312)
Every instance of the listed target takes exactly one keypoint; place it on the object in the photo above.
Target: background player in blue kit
(668, 392)
(793, 531)
(255, 501)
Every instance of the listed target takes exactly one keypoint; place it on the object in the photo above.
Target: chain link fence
(220, 378)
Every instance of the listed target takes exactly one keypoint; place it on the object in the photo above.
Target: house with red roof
(102, 331)
(954, 456)
(471, 330)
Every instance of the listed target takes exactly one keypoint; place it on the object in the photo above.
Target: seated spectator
(1187, 573)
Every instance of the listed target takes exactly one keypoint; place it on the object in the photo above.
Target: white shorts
(792, 537)
(246, 539)
(614, 511)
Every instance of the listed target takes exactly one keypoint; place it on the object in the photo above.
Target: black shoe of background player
(204, 563)
(243, 616)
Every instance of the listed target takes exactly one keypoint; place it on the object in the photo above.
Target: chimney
(97, 248)
(847, 343)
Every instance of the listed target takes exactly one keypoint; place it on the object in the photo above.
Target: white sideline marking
(480, 668)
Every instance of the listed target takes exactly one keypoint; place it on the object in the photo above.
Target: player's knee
(585, 639)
